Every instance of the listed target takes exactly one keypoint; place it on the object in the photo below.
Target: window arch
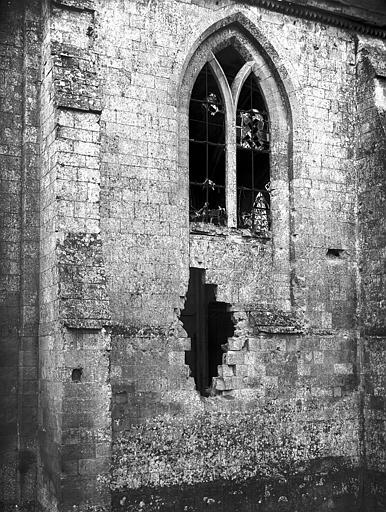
(229, 137)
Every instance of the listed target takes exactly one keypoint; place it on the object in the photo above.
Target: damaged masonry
(191, 241)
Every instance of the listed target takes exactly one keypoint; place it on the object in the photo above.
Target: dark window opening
(209, 325)
(76, 374)
(253, 162)
(207, 151)
(230, 61)
(334, 254)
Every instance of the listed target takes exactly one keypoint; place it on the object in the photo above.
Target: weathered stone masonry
(74, 344)
(371, 201)
(99, 408)
(20, 43)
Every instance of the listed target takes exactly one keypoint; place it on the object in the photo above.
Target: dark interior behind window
(207, 151)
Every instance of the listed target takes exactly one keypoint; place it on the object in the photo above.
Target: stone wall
(296, 410)
(306, 279)
(19, 244)
(74, 423)
(371, 212)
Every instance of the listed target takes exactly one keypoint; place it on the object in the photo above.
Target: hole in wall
(76, 375)
(334, 254)
(209, 325)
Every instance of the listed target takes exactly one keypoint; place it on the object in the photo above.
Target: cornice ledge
(314, 14)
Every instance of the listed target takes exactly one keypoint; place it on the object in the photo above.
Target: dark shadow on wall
(312, 491)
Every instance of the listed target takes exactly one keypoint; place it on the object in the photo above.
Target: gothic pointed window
(229, 165)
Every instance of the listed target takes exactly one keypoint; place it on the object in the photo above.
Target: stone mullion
(230, 141)
(231, 175)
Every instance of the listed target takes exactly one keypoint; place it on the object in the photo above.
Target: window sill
(204, 228)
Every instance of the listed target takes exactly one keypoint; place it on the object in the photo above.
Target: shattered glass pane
(254, 212)
(213, 104)
(216, 216)
(253, 130)
(260, 212)
(253, 160)
(207, 203)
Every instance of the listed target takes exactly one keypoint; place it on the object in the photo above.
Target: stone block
(343, 368)
(225, 370)
(232, 357)
(176, 358)
(242, 370)
(222, 384)
(236, 343)
(257, 344)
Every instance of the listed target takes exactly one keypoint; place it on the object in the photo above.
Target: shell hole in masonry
(209, 325)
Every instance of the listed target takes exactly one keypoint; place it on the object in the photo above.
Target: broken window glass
(254, 211)
(253, 129)
(253, 165)
(207, 151)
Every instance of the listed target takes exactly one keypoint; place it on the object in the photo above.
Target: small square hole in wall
(335, 254)
(76, 375)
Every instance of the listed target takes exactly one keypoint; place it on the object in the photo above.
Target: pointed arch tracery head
(235, 52)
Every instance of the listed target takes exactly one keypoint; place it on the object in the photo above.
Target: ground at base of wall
(375, 491)
(25, 507)
(317, 492)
